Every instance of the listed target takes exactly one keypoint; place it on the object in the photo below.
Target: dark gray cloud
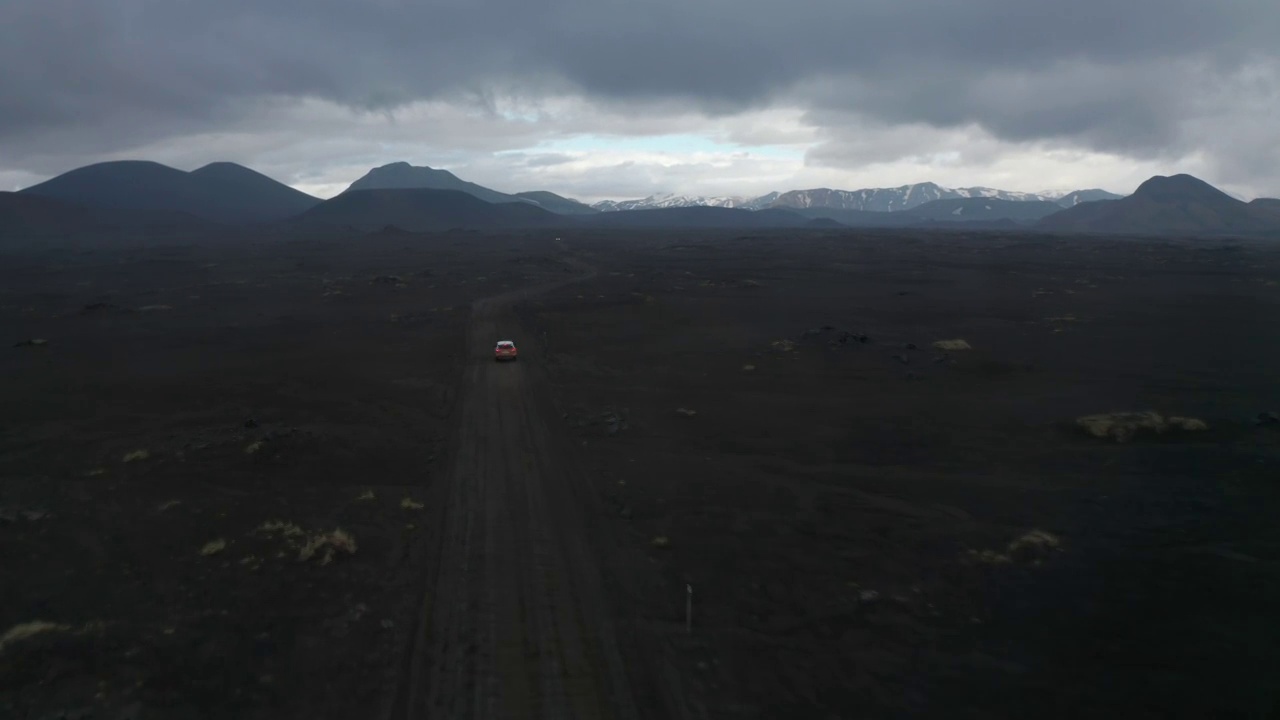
(98, 76)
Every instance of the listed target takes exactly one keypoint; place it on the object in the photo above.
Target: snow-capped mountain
(1075, 197)
(894, 199)
(873, 199)
(670, 200)
(985, 192)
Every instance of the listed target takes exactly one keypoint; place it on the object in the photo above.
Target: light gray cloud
(540, 160)
(1147, 79)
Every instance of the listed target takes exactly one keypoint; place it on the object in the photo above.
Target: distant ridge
(982, 209)
(1175, 205)
(403, 176)
(420, 210)
(557, 204)
(220, 192)
(1076, 197)
(698, 217)
(1268, 209)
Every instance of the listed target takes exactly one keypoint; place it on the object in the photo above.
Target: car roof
(505, 342)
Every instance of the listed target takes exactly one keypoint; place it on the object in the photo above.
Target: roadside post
(688, 610)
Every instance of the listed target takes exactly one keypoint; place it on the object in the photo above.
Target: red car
(505, 350)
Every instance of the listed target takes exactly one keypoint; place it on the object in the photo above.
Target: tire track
(514, 622)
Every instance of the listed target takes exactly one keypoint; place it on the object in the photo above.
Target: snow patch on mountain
(670, 200)
(893, 199)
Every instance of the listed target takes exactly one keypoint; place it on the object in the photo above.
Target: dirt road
(514, 622)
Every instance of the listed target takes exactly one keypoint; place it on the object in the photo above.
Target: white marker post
(688, 610)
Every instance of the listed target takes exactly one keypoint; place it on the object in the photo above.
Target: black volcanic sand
(306, 384)
(844, 511)
(872, 527)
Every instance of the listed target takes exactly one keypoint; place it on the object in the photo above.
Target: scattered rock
(409, 503)
(783, 345)
(686, 412)
(1122, 427)
(387, 280)
(33, 342)
(615, 421)
(137, 455)
(1189, 424)
(902, 359)
(327, 546)
(1034, 546)
(287, 530)
(23, 631)
(952, 345)
(1269, 418)
(748, 368)
(660, 541)
(213, 547)
(253, 447)
(625, 512)
(846, 337)
(910, 346)
(10, 515)
(990, 557)
(366, 495)
(251, 423)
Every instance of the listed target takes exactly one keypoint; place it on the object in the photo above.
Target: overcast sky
(606, 99)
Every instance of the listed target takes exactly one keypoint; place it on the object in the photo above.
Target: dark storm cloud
(105, 74)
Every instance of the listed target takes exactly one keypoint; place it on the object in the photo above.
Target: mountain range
(140, 193)
(895, 199)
